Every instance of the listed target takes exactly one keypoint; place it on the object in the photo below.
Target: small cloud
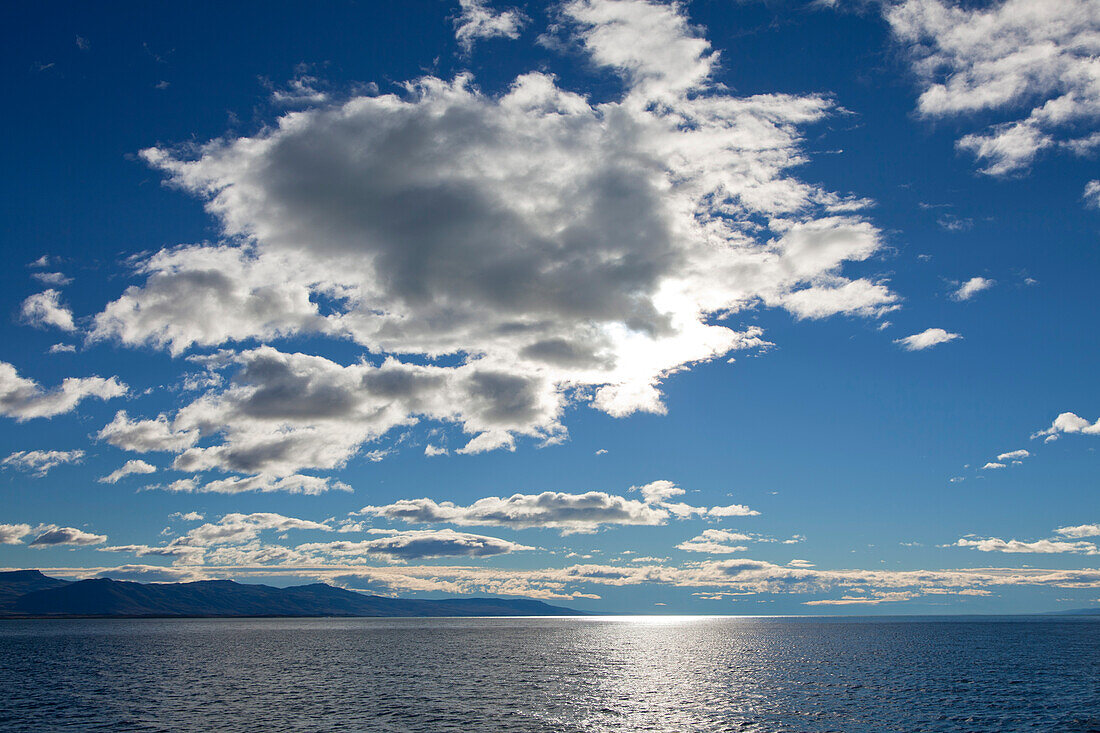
(45, 309)
(479, 22)
(82, 43)
(186, 516)
(1092, 194)
(957, 479)
(926, 339)
(972, 287)
(432, 450)
(991, 465)
(43, 261)
(62, 349)
(601, 452)
(1014, 455)
(953, 223)
(52, 278)
(39, 462)
(50, 535)
(162, 84)
(128, 469)
(1069, 422)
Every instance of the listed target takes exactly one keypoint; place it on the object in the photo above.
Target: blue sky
(718, 307)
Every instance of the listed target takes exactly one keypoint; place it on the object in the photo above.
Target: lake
(552, 674)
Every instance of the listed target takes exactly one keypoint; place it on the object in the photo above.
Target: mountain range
(29, 593)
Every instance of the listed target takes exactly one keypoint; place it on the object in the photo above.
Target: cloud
(127, 469)
(715, 541)
(953, 223)
(62, 349)
(292, 484)
(658, 491)
(551, 509)
(742, 576)
(1091, 194)
(186, 516)
(478, 22)
(152, 574)
(991, 465)
(1068, 422)
(570, 513)
(1035, 61)
(576, 252)
(23, 399)
(13, 534)
(45, 309)
(1013, 455)
(52, 278)
(994, 544)
(50, 535)
(417, 545)
(972, 287)
(235, 527)
(728, 577)
(732, 510)
(240, 532)
(433, 450)
(40, 462)
(146, 436)
(1081, 530)
(872, 600)
(926, 339)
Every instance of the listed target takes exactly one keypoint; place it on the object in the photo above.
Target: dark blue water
(645, 674)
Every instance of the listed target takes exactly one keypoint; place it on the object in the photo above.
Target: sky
(714, 307)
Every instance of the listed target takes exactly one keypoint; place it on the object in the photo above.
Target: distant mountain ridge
(29, 593)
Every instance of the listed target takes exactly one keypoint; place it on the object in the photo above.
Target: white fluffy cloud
(1014, 455)
(24, 399)
(45, 309)
(146, 436)
(50, 535)
(1092, 194)
(570, 513)
(994, 544)
(731, 576)
(239, 532)
(715, 542)
(972, 287)
(417, 545)
(1068, 422)
(1080, 530)
(292, 484)
(926, 339)
(152, 574)
(52, 278)
(13, 534)
(574, 251)
(552, 509)
(478, 22)
(1012, 58)
(40, 462)
(128, 469)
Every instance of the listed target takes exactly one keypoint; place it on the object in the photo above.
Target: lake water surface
(560, 674)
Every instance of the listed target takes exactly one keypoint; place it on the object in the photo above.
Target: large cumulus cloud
(552, 249)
